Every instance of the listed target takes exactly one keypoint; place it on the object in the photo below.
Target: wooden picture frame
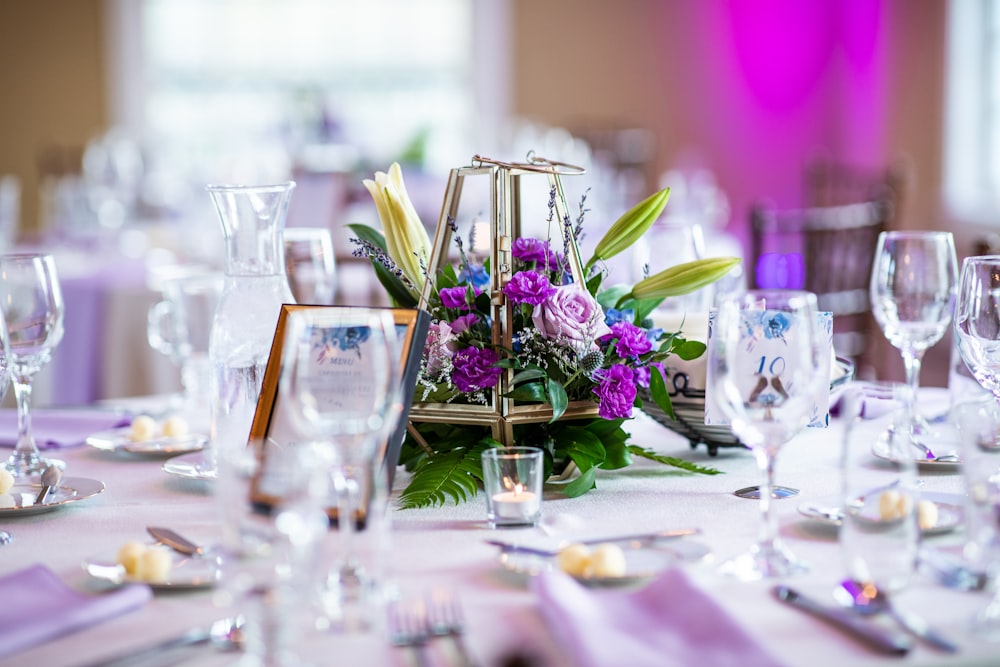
(271, 423)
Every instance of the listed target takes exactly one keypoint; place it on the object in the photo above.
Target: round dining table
(447, 547)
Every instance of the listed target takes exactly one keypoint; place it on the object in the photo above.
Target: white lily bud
(406, 238)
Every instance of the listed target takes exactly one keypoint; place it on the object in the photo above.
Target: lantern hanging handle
(534, 164)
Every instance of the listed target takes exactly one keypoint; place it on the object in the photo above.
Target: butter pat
(128, 556)
(153, 565)
(607, 560)
(574, 560)
(927, 514)
(6, 480)
(143, 428)
(175, 427)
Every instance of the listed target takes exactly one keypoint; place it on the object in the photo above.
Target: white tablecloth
(445, 547)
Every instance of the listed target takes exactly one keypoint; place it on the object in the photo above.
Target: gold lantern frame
(502, 413)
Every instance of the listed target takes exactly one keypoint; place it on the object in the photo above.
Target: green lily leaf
(610, 297)
(399, 293)
(579, 486)
(528, 374)
(658, 390)
(530, 392)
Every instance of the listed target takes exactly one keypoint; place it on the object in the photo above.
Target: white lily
(406, 237)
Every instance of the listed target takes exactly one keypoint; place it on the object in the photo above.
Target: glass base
(5, 537)
(777, 492)
(764, 562)
(30, 465)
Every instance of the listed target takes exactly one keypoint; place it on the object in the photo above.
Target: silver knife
(879, 638)
(641, 537)
(921, 629)
(175, 541)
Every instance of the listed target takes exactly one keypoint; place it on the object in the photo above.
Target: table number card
(764, 364)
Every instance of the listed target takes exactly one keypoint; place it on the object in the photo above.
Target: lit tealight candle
(516, 503)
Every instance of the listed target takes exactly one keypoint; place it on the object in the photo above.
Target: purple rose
(632, 340)
(616, 391)
(454, 297)
(464, 322)
(533, 250)
(570, 312)
(475, 368)
(528, 287)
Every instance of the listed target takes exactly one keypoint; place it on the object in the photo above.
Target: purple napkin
(60, 428)
(36, 606)
(669, 623)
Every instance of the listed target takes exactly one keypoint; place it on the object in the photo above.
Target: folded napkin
(668, 623)
(36, 606)
(60, 428)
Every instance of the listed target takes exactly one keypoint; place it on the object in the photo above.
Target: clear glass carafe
(253, 221)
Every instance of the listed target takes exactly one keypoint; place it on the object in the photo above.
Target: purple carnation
(454, 297)
(616, 391)
(464, 322)
(642, 374)
(533, 250)
(528, 287)
(475, 368)
(632, 340)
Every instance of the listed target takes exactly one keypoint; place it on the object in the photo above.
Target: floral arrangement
(571, 342)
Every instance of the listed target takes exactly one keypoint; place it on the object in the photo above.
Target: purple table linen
(60, 428)
(668, 623)
(37, 607)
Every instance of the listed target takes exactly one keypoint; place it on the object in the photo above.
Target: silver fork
(408, 628)
(447, 620)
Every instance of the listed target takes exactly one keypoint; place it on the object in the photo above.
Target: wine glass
(310, 265)
(340, 379)
(5, 536)
(912, 294)
(768, 364)
(977, 330)
(32, 306)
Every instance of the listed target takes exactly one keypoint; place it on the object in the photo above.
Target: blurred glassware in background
(112, 174)
(310, 265)
(180, 327)
(10, 211)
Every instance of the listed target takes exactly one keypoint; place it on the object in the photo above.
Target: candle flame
(518, 488)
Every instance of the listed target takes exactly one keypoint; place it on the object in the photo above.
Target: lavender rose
(528, 287)
(533, 250)
(570, 312)
(632, 340)
(438, 349)
(616, 391)
(475, 368)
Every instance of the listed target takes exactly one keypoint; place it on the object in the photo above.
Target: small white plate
(829, 512)
(881, 450)
(20, 500)
(191, 466)
(119, 440)
(641, 562)
(186, 572)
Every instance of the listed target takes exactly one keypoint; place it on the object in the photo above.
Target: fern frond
(672, 461)
(456, 474)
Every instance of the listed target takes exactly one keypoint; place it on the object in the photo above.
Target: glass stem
(25, 441)
(345, 525)
(912, 359)
(768, 523)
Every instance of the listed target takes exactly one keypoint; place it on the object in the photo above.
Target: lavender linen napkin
(37, 606)
(60, 428)
(668, 623)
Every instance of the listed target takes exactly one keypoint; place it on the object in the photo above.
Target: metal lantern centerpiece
(502, 413)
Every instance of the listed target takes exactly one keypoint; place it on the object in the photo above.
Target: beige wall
(52, 83)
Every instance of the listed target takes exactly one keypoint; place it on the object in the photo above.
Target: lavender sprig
(368, 250)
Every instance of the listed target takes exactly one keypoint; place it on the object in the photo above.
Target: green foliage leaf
(557, 399)
(455, 475)
(579, 486)
(690, 349)
(612, 295)
(594, 284)
(530, 391)
(370, 234)
(672, 461)
(582, 446)
(399, 293)
(658, 390)
(528, 374)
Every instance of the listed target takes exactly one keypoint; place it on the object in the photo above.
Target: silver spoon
(868, 599)
(51, 477)
(224, 635)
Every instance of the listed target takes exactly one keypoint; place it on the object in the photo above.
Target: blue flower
(476, 275)
(612, 316)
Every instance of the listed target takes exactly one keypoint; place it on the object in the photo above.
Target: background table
(445, 547)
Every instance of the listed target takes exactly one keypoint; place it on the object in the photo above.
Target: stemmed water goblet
(977, 330)
(340, 379)
(32, 305)
(912, 294)
(310, 265)
(5, 537)
(768, 364)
